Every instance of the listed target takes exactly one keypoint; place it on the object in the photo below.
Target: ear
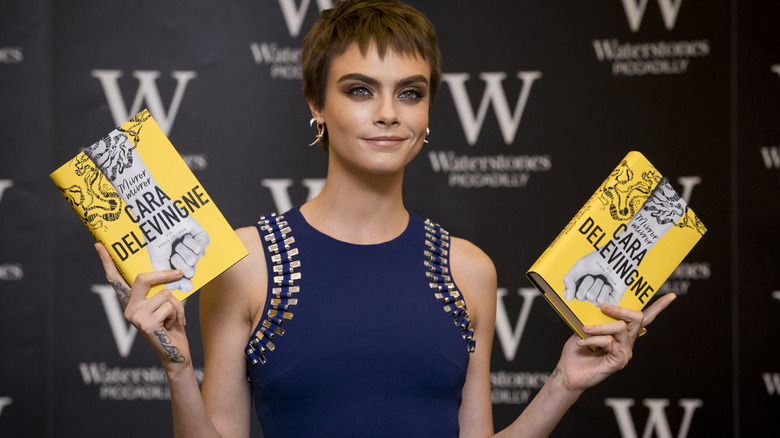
(315, 112)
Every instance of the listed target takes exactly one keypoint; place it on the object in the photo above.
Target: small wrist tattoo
(171, 351)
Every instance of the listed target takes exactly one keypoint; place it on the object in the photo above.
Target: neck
(359, 208)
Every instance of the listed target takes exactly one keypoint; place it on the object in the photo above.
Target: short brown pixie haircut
(387, 23)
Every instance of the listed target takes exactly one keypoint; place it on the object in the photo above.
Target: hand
(586, 281)
(160, 319)
(183, 254)
(582, 368)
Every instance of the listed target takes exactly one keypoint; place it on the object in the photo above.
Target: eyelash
(363, 91)
(417, 94)
(359, 90)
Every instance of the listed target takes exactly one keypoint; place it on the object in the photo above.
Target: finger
(188, 254)
(196, 246)
(595, 290)
(584, 287)
(184, 285)
(112, 273)
(624, 313)
(165, 308)
(604, 329)
(617, 330)
(170, 311)
(575, 274)
(569, 286)
(656, 308)
(167, 314)
(604, 294)
(634, 318)
(178, 262)
(203, 238)
(143, 282)
(610, 345)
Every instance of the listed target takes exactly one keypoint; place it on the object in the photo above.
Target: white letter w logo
(509, 338)
(508, 121)
(635, 12)
(124, 333)
(147, 91)
(294, 17)
(657, 422)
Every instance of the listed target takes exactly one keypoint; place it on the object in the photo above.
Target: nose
(386, 111)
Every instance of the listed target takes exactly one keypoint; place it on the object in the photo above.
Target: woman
(370, 351)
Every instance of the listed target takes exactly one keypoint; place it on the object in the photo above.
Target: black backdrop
(540, 101)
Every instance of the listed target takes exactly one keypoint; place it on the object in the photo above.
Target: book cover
(139, 199)
(619, 248)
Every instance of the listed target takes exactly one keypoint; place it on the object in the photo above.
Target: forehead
(393, 65)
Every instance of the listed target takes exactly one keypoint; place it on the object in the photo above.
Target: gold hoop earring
(427, 133)
(320, 130)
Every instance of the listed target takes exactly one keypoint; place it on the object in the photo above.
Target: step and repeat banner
(539, 102)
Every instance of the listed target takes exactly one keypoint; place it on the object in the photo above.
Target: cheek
(348, 118)
(418, 119)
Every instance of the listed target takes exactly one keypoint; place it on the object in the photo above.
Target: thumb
(576, 272)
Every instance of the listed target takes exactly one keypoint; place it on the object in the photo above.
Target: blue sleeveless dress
(358, 340)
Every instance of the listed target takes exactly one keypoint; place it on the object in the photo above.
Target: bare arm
(224, 407)
(475, 275)
(579, 368)
(229, 310)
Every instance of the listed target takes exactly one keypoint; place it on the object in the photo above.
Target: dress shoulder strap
(437, 256)
(278, 240)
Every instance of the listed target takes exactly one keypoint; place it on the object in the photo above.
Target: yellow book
(139, 199)
(619, 248)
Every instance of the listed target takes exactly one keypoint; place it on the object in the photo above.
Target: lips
(385, 140)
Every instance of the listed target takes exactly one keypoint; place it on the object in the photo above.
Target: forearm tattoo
(122, 293)
(171, 352)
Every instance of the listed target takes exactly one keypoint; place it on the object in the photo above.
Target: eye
(359, 90)
(411, 94)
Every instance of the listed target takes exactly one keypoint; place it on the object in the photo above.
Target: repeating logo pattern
(510, 170)
(284, 61)
(657, 421)
(635, 12)
(481, 102)
(650, 58)
(147, 94)
(280, 193)
(494, 94)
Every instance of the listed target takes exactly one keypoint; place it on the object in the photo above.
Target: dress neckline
(306, 224)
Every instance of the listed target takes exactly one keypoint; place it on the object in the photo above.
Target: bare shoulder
(241, 289)
(470, 264)
(475, 274)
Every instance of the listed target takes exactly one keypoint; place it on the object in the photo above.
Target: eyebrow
(375, 83)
